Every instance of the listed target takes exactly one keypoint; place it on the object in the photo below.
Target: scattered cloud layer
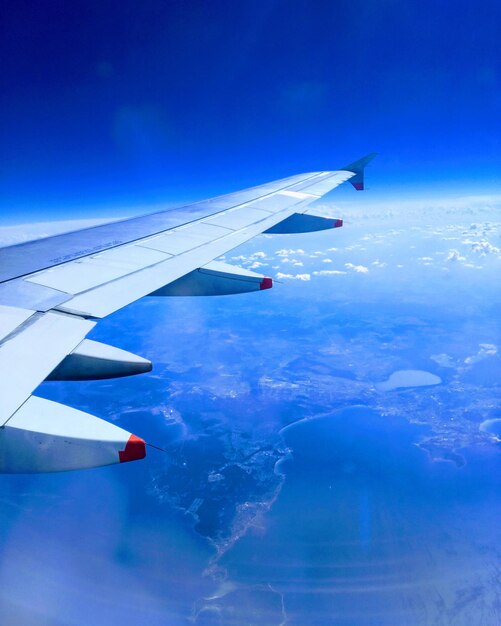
(303, 277)
(328, 273)
(360, 269)
(284, 252)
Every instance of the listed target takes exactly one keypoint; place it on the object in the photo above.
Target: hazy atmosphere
(106, 106)
(330, 448)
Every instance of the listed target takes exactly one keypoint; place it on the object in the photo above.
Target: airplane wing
(54, 290)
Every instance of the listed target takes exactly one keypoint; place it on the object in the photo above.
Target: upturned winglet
(357, 167)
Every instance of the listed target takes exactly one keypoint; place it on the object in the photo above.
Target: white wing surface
(54, 290)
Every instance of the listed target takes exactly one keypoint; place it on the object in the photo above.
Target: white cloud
(360, 269)
(483, 248)
(378, 263)
(444, 360)
(454, 256)
(293, 261)
(281, 276)
(288, 252)
(329, 273)
(486, 350)
(253, 260)
(326, 260)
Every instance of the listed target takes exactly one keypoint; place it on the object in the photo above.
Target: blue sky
(106, 105)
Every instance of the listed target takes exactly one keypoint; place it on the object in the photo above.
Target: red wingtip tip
(337, 223)
(358, 186)
(266, 283)
(135, 449)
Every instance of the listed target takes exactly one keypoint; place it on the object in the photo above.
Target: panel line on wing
(50, 337)
(297, 194)
(33, 256)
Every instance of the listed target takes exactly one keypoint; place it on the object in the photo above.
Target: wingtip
(358, 168)
(359, 165)
(135, 449)
(266, 283)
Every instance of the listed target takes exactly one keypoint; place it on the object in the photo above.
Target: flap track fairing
(92, 360)
(216, 279)
(45, 436)
(303, 223)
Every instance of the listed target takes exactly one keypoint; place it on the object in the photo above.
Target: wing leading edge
(53, 291)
